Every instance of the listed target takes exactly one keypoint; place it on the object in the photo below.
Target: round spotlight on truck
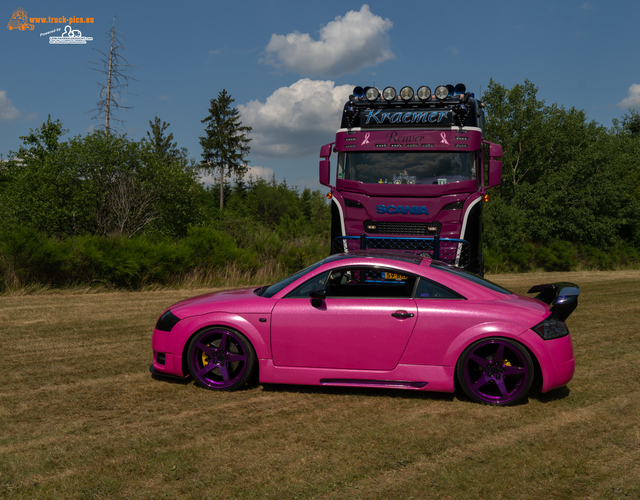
(389, 94)
(371, 93)
(406, 93)
(460, 89)
(442, 92)
(358, 92)
(424, 93)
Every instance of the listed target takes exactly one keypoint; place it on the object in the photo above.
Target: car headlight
(551, 328)
(167, 321)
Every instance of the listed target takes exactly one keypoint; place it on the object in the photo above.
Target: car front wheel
(495, 371)
(221, 359)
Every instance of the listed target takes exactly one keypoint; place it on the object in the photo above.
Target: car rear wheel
(495, 371)
(221, 359)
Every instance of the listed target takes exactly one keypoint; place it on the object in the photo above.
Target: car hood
(239, 301)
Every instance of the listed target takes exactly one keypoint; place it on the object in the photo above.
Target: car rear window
(470, 277)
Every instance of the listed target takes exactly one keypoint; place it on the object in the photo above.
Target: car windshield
(471, 277)
(424, 167)
(271, 290)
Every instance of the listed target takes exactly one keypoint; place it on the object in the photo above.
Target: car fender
(477, 332)
(249, 325)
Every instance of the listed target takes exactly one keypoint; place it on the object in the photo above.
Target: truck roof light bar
(406, 94)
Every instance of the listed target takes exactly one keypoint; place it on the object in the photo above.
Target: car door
(364, 323)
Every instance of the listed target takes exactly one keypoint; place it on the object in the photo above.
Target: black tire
(495, 371)
(220, 358)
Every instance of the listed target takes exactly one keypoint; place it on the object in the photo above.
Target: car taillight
(551, 328)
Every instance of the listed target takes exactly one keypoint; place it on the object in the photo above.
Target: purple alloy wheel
(496, 371)
(218, 358)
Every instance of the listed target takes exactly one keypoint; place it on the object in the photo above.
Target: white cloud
(294, 121)
(256, 173)
(633, 98)
(7, 110)
(346, 45)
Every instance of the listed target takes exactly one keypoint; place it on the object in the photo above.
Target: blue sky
(290, 65)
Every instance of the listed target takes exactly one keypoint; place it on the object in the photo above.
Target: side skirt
(415, 377)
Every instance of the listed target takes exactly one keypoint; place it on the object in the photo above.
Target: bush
(205, 256)
(559, 256)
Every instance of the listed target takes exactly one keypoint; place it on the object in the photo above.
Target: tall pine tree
(226, 144)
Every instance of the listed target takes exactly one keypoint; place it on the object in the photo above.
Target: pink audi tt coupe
(374, 319)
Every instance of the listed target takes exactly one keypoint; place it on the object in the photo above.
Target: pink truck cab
(412, 172)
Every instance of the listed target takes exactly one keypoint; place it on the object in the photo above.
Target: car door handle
(402, 314)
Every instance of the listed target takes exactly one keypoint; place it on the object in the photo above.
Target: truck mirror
(325, 151)
(495, 150)
(495, 173)
(324, 172)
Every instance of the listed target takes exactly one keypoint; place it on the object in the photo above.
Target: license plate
(394, 276)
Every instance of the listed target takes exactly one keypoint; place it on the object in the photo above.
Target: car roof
(406, 257)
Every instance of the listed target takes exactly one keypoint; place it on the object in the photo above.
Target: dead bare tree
(128, 208)
(113, 65)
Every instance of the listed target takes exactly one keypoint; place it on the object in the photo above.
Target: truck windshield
(424, 167)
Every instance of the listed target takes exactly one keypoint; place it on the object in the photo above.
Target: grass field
(81, 417)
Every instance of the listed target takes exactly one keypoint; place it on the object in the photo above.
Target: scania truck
(412, 173)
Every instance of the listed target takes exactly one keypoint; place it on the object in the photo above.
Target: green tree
(564, 178)
(630, 124)
(43, 141)
(225, 145)
(162, 145)
(98, 184)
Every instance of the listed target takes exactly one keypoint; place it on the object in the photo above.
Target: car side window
(428, 289)
(302, 291)
(358, 282)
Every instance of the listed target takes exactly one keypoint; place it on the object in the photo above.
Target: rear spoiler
(562, 297)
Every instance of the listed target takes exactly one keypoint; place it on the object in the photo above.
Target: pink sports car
(381, 319)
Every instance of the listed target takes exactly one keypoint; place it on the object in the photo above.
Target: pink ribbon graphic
(444, 139)
(366, 139)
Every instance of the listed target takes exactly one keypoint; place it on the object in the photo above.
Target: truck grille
(410, 228)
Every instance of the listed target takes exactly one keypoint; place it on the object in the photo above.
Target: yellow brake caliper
(205, 357)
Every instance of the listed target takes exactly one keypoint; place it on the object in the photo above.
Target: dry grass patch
(82, 418)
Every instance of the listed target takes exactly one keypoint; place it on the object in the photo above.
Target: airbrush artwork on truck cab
(412, 173)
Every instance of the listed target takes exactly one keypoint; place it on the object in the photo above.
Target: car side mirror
(317, 296)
